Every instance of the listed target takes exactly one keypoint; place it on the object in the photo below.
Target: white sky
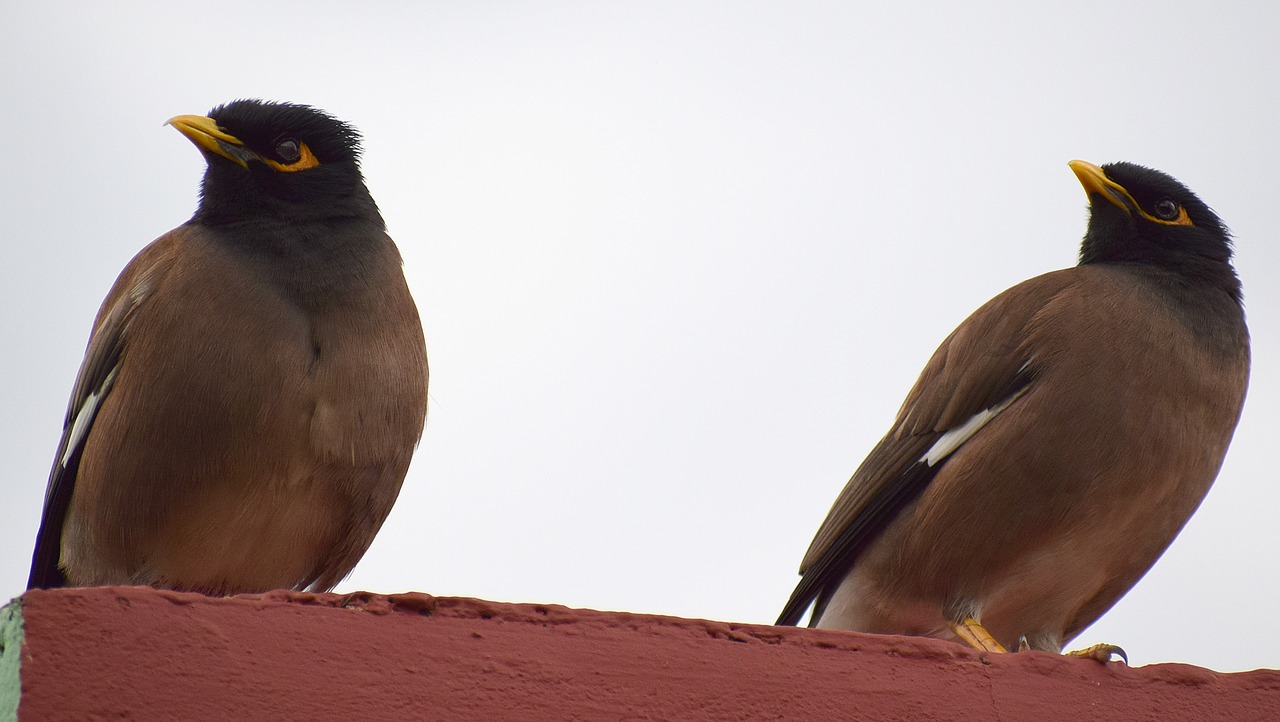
(678, 264)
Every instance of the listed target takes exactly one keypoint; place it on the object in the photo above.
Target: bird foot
(1101, 653)
(976, 636)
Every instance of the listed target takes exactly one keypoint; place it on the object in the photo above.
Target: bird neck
(1206, 296)
(313, 263)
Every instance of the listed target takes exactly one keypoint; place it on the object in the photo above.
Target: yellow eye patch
(307, 160)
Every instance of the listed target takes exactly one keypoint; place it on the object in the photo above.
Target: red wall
(142, 654)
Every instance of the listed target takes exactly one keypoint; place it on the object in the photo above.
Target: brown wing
(983, 365)
(94, 382)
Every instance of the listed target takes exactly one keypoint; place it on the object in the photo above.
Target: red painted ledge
(141, 654)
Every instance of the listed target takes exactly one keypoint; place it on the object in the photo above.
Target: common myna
(1056, 442)
(255, 382)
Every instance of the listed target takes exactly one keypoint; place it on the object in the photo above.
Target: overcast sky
(677, 263)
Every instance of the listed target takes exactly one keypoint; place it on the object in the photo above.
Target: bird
(255, 383)
(1056, 442)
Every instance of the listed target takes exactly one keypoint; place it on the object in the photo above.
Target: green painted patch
(10, 660)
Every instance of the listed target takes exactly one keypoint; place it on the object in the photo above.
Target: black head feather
(260, 124)
(1198, 252)
(332, 189)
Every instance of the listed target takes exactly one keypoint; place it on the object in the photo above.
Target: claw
(975, 636)
(1101, 653)
(1023, 644)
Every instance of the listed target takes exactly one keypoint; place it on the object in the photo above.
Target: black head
(277, 160)
(1140, 215)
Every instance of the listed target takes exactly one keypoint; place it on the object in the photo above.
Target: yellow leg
(975, 636)
(1100, 652)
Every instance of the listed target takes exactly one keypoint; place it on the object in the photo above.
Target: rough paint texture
(142, 654)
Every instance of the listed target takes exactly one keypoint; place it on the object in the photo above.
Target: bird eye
(1167, 209)
(290, 150)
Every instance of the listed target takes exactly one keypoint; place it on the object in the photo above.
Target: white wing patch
(84, 417)
(954, 438)
(75, 438)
